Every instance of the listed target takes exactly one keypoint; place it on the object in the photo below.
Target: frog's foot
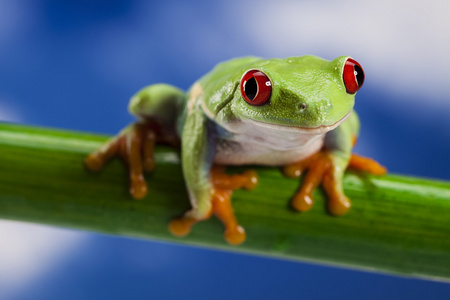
(134, 146)
(320, 169)
(223, 187)
(366, 164)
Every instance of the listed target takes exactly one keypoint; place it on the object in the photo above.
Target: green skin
(217, 126)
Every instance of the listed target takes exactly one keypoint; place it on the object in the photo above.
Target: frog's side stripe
(195, 93)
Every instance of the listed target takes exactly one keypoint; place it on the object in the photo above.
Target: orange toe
(138, 187)
(302, 202)
(340, 206)
(181, 226)
(252, 179)
(235, 236)
(93, 162)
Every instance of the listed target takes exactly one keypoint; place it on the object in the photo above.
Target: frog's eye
(256, 87)
(353, 76)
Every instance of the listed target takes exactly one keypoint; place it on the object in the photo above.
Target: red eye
(256, 87)
(353, 76)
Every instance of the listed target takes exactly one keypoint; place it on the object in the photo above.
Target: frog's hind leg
(134, 146)
(137, 152)
(220, 205)
(97, 159)
(366, 164)
(156, 106)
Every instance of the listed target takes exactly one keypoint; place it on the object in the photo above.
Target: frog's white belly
(272, 146)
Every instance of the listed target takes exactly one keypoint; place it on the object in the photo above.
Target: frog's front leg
(209, 188)
(222, 189)
(328, 166)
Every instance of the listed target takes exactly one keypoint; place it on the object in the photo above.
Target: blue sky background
(74, 65)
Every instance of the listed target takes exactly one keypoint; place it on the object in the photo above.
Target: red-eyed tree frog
(296, 113)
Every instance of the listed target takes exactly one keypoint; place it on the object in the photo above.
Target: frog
(296, 113)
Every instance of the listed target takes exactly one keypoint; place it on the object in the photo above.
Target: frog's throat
(307, 130)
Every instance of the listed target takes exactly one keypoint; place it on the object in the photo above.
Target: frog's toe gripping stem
(97, 159)
(338, 203)
(223, 187)
(303, 200)
(222, 208)
(221, 200)
(135, 147)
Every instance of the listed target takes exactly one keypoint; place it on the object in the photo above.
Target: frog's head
(298, 93)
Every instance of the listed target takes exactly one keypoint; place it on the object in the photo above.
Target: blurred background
(74, 65)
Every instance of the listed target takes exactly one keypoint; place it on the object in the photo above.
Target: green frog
(296, 113)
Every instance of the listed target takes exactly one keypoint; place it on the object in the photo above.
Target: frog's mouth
(306, 130)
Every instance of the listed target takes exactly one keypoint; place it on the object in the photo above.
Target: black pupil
(359, 74)
(251, 88)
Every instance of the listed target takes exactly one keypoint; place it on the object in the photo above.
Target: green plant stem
(397, 224)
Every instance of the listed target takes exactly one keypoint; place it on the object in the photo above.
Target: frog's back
(228, 69)
(218, 86)
(222, 79)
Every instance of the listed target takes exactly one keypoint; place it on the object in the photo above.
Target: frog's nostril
(301, 106)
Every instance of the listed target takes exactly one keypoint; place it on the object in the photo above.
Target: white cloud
(14, 17)
(404, 45)
(28, 251)
(9, 113)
